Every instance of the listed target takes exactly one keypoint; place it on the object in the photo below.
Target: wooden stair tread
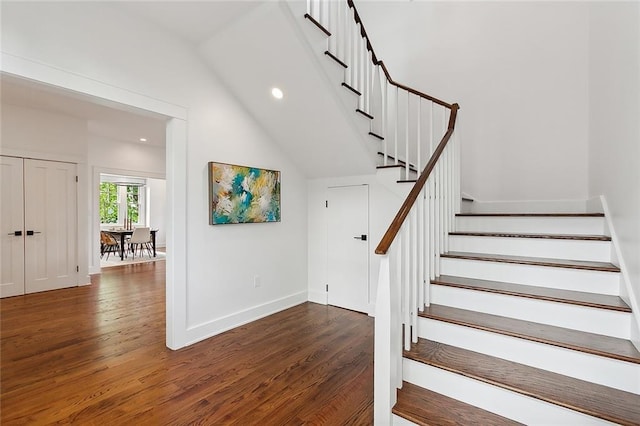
(536, 261)
(401, 163)
(580, 298)
(407, 181)
(542, 236)
(335, 58)
(596, 344)
(425, 407)
(592, 399)
(532, 214)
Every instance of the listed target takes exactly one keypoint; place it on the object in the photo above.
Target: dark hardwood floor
(97, 355)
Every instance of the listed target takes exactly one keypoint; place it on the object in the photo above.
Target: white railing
(417, 133)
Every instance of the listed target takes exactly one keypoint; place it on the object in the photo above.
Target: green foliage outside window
(108, 203)
(133, 203)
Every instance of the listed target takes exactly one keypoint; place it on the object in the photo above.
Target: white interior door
(11, 227)
(348, 247)
(50, 225)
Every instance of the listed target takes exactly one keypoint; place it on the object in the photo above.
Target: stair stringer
(333, 74)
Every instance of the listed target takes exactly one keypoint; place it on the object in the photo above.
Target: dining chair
(141, 238)
(108, 244)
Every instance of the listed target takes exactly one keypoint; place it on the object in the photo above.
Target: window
(108, 202)
(122, 200)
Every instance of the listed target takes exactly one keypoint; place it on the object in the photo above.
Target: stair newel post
(384, 390)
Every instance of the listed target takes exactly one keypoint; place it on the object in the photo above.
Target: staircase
(526, 322)
(486, 318)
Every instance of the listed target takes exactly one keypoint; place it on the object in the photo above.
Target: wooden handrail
(394, 228)
(363, 33)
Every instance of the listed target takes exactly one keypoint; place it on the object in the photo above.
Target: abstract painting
(240, 194)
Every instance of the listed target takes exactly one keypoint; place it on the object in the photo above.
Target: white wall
(101, 42)
(614, 131)
(157, 196)
(519, 72)
(43, 133)
(383, 205)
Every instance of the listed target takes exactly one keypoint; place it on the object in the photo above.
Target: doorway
(38, 223)
(348, 247)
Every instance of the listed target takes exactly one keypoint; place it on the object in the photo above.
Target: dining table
(121, 234)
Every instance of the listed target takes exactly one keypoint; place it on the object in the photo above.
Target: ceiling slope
(264, 49)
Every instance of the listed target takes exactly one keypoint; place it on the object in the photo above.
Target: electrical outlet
(256, 281)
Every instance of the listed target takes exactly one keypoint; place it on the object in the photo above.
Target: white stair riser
(591, 320)
(399, 421)
(602, 370)
(597, 251)
(532, 225)
(492, 398)
(542, 276)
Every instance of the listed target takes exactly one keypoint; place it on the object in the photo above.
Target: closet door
(11, 227)
(50, 225)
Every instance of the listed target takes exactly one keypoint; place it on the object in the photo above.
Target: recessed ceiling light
(277, 93)
(143, 139)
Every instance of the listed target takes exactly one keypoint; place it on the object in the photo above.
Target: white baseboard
(220, 325)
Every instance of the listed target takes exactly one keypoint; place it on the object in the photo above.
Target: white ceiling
(273, 52)
(192, 21)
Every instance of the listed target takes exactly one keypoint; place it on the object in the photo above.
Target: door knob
(33, 232)
(362, 237)
(15, 233)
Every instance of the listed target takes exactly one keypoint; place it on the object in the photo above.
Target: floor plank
(424, 407)
(97, 355)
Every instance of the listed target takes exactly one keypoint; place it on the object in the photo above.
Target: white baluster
(420, 254)
(332, 26)
(431, 148)
(418, 141)
(414, 273)
(407, 158)
(436, 235)
(396, 124)
(406, 291)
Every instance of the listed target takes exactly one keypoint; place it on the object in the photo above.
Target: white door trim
(176, 169)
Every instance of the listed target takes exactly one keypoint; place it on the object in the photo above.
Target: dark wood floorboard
(536, 261)
(580, 298)
(595, 344)
(427, 408)
(589, 398)
(532, 214)
(536, 236)
(97, 355)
